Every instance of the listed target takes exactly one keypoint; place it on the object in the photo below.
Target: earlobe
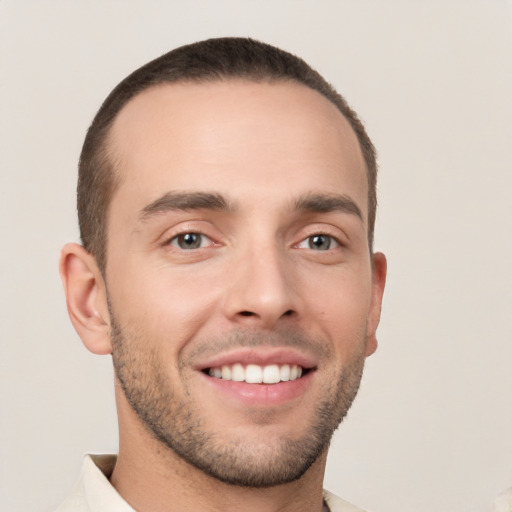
(86, 298)
(379, 270)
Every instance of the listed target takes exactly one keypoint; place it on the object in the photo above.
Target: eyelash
(201, 238)
(174, 241)
(309, 240)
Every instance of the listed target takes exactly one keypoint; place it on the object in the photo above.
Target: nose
(261, 290)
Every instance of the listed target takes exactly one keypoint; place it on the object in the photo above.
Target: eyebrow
(325, 203)
(172, 201)
(311, 202)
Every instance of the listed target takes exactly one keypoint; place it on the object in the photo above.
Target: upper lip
(261, 356)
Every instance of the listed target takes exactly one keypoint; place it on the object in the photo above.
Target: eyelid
(192, 227)
(325, 229)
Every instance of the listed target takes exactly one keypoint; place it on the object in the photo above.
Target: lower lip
(262, 394)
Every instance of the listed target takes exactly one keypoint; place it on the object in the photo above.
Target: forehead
(241, 135)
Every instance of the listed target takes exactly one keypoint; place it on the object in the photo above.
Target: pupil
(320, 242)
(190, 241)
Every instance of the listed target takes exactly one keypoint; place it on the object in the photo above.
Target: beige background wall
(432, 427)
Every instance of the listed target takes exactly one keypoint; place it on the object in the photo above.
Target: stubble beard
(177, 422)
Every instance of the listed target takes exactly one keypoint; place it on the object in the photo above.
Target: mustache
(253, 339)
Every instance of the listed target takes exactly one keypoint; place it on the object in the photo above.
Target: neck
(153, 478)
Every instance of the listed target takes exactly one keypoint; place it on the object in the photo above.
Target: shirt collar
(100, 495)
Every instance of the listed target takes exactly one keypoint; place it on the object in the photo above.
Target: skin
(255, 288)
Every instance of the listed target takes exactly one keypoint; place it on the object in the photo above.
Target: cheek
(339, 305)
(164, 304)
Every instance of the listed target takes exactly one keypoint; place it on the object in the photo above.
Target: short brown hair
(205, 61)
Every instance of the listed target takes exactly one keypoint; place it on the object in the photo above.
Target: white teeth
(215, 372)
(255, 374)
(285, 372)
(226, 372)
(271, 374)
(237, 373)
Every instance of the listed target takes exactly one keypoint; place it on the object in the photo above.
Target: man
(226, 201)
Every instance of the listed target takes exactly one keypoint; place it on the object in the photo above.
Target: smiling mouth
(256, 374)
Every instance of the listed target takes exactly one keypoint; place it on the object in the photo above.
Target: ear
(379, 270)
(86, 298)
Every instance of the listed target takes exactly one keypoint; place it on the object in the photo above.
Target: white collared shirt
(503, 502)
(94, 493)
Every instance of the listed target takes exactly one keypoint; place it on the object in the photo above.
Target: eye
(189, 241)
(319, 242)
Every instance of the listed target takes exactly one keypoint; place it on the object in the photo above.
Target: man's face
(238, 253)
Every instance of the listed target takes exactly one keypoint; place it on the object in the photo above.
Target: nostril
(289, 312)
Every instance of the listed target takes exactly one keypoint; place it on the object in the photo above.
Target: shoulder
(93, 491)
(503, 502)
(338, 505)
(76, 501)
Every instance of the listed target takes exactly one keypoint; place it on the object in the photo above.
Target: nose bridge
(261, 287)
